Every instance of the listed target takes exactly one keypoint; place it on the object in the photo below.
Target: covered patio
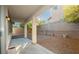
(21, 14)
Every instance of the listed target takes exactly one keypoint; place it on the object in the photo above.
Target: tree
(71, 13)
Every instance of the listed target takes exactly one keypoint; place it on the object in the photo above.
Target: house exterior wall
(0, 29)
(5, 35)
(57, 13)
(3, 29)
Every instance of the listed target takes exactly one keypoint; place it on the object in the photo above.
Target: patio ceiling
(22, 12)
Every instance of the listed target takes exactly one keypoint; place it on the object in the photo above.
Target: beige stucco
(34, 31)
(3, 29)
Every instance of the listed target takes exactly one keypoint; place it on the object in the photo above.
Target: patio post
(4, 30)
(25, 30)
(34, 31)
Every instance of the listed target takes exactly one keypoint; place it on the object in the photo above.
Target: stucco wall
(4, 29)
(0, 29)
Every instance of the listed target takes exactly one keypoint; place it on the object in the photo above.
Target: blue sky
(45, 15)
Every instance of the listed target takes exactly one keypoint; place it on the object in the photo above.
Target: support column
(34, 31)
(3, 30)
(25, 31)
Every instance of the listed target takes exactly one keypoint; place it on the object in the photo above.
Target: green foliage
(40, 22)
(71, 13)
(29, 25)
(22, 26)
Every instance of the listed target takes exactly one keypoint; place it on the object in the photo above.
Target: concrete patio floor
(18, 44)
(36, 49)
(25, 46)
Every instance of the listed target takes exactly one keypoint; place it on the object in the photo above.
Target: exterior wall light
(8, 18)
